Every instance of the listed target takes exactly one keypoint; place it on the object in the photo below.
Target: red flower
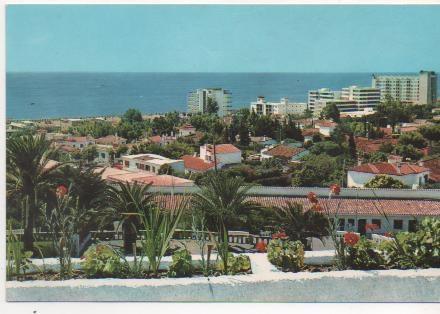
(351, 238)
(261, 247)
(335, 189)
(61, 191)
(371, 227)
(279, 235)
(312, 198)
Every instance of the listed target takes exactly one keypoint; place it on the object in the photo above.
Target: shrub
(364, 255)
(181, 266)
(414, 250)
(237, 264)
(102, 261)
(287, 255)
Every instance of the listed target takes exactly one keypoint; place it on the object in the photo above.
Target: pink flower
(61, 191)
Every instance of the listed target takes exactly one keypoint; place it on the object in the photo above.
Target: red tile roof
(196, 163)
(390, 169)
(187, 127)
(224, 149)
(284, 151)
(346, 206)
(326, 123)
(77, 139)
(164, 180)
(110, 140)
(155, 139)
(310, 132)
(370, 146)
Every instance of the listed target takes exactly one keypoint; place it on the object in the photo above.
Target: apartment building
(413, 89)
(321, 94)
(365, 97)
(282, 108)
(352, 99)
(198, 100)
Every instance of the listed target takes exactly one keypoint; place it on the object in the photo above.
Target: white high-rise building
(198, 100)
(353, 99)
(414, 89)
(282, 108)
(365, 97)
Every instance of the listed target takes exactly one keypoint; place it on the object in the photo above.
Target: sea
(76, 95)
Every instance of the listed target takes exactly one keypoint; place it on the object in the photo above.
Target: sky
(191, 38)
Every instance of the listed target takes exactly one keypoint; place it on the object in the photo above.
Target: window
(398, 224)
(102, 155)
(377, 222)
(341, 226)
(412, 225)
(351, 223)
(127, 163)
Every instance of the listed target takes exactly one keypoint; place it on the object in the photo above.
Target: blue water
(50, 95)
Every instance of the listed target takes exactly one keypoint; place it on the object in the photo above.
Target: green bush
(364, 255)
(419, 249)
(236, 264)
(102, 261)
(287, 255)
(181, 265)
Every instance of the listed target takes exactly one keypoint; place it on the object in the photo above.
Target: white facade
(365, 97)
(350, 99)
(225, 158)
(321, 94)
(357, 179)
(282, 108)
(186, 130)
(103, 154)
(416, 89)
(78, 142)
(151, 162)
(198, 100)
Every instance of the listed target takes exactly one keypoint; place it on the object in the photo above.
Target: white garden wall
(265, 284)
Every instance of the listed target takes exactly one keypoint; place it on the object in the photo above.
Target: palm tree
(224, 201)
(87, 186)
(28, 176)
(299, 224)
(125, 202)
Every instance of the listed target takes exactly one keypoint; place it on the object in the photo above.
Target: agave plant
(158, 225)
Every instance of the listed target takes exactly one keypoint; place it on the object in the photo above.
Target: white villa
(226, 153)
(151, 162)
(409, 174)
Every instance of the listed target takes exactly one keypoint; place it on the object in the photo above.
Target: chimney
(359, 161)
(399, 166)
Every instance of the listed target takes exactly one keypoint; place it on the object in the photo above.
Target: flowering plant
(280, 235)
(61, 191)
(312, 198)
(351, 238)
(261, 247)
